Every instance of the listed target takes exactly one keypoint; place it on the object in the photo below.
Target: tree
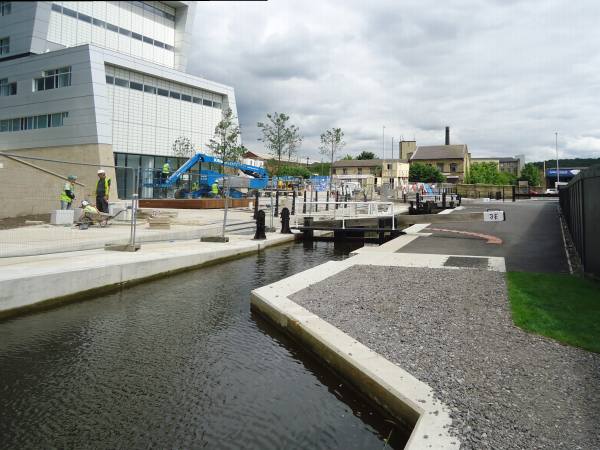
(531, 174)
(331, 143)
(183, 147)
(347, 158)
(423, 173)
(294, 140)
(294, 171)
(366, 155)
(224, 144)
(487, 173)
(278, 136)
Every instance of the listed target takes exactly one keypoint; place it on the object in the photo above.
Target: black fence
(580, 204)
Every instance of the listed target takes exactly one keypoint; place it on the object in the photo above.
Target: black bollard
(260, 226)
(381, 225)
(255, 205)
(444, 200)
(418, 198)
(285, 221)
(459, 198)
(403, 198)
(346, 197)
(337, 199)
(293, 203)
(316, 200)
(276, 213)
(514, 190)
(304, 204)
(308, 234)
(327, 204)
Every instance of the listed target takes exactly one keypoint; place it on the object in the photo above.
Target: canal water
(180, 362)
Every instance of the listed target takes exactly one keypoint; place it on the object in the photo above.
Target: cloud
(504, 75)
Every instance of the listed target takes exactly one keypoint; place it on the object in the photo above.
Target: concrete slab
(29, 282)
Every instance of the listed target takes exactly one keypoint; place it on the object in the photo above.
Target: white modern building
(102, 83)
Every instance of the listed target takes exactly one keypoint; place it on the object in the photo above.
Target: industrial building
(100, 83)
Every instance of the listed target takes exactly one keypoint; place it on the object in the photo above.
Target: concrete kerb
(402, 395)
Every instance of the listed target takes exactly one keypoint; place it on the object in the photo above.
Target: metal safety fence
(35, 220)
(580, 205)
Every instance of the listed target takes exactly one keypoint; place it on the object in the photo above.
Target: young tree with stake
(278, 136)
(331, 143)
(224, 144)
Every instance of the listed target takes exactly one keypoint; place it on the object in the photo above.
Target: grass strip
(559, 306)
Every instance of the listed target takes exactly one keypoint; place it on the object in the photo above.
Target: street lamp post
(557, 168)
(307, 158)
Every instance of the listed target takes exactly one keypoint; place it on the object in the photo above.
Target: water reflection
(176, 363)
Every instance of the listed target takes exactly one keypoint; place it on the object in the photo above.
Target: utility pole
(307, 158)
(557, 168)
(383, 142)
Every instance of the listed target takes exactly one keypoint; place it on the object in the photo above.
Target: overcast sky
(504, 75)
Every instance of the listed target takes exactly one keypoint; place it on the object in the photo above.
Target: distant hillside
(575, 162)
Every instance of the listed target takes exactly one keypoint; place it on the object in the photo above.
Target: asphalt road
(531, 236)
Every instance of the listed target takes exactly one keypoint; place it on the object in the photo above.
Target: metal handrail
(347, 210)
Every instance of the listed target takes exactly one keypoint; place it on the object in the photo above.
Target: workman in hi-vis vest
(68, 193)
(214, 189)
(102, 191)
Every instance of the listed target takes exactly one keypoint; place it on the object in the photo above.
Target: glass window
(85, 18)
(56, 7)
(197, 100)
(5, 8)
(98, 23)
(69, 12)
(159, 44)
(452, 167)
(136, 36)
(149, 89)
(207, 102)
(111, 27)
(41, 121)
(169, 47)
(216, 105)
(49, 83)
(186, 98)
(4, 45)
(136, 86)
(124, 32)
(110, 80)
(148, 40)
(4, 125)
(121, 82)
(15, 124)
(163, 92)
(176, 95)
(7, 88)
(440, 166)
(57, 120)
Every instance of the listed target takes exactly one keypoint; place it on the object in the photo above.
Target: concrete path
(27, 282)
(531, 236)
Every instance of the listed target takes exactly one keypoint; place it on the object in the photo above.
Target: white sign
(493, 216)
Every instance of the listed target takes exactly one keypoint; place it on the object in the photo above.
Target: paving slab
(531, 237)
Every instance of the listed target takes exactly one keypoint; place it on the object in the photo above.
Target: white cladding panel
(70, 31)
(148, 123)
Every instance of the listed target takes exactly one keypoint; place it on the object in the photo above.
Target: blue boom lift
(257, 176)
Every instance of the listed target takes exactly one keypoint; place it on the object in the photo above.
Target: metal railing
(324, 210)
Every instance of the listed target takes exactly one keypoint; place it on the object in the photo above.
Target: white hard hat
(85, 203)
(101, 171)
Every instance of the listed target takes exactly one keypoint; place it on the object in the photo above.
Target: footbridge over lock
(379, 221)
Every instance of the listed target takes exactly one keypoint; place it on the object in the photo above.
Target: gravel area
(452, 329)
